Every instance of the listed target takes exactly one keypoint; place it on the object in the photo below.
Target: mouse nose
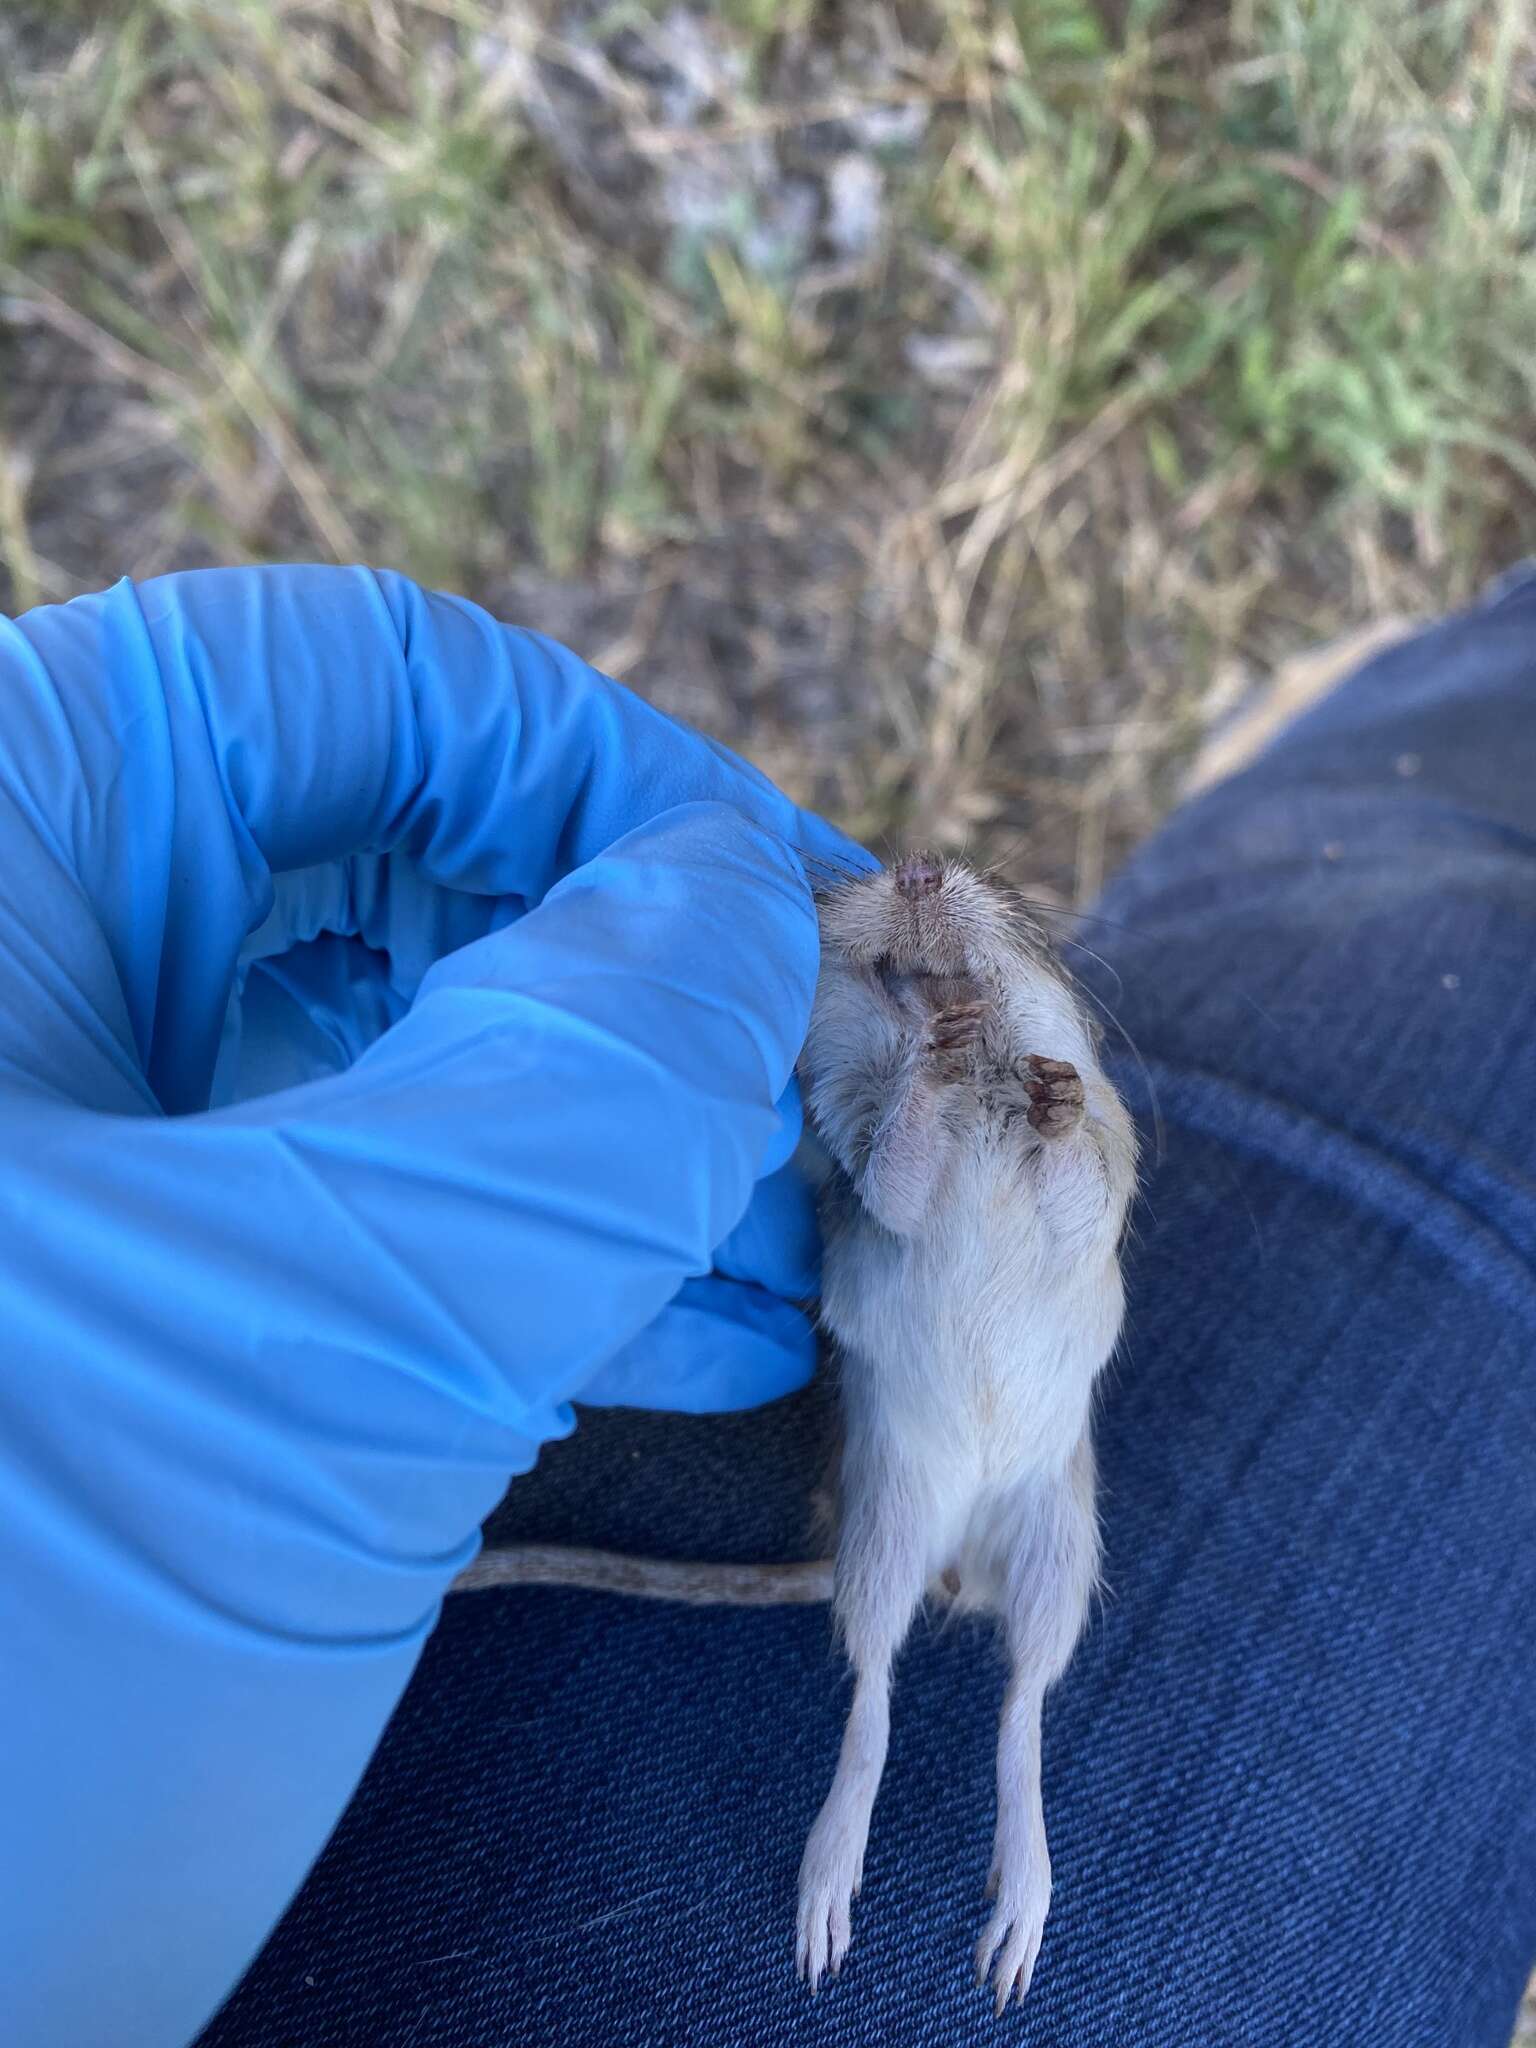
(918, 875)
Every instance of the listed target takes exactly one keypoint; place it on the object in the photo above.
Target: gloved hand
(270, 1357)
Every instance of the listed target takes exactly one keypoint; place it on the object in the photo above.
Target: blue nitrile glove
(266, 1359)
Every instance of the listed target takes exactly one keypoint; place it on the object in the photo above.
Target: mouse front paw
(1055, 1091)
(955, 1029)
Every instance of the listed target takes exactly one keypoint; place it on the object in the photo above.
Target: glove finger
(718, 1345)
(285, 719)
(354, 1307)
(384, 901)
(791, 1125)
(303, 1014)
(777, 1244)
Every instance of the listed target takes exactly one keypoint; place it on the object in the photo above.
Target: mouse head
(927, 915)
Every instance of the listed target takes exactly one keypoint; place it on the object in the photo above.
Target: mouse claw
(1055, 1091)
(953, 1035)
(829, 1877)
(1010, 1942)
(959, 1025)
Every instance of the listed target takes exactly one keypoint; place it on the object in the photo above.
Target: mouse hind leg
(880, 1578)
(1050, 1562)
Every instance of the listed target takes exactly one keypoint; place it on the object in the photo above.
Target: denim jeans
(1290, 1778)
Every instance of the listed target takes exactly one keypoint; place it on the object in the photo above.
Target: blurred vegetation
(955, 405)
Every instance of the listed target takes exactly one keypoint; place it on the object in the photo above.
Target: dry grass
(955, 406)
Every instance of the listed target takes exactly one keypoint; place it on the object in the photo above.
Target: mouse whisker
(1107, 965)
(1041, 908)
(825, 875)
(830, 857)
(1158, 1129)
